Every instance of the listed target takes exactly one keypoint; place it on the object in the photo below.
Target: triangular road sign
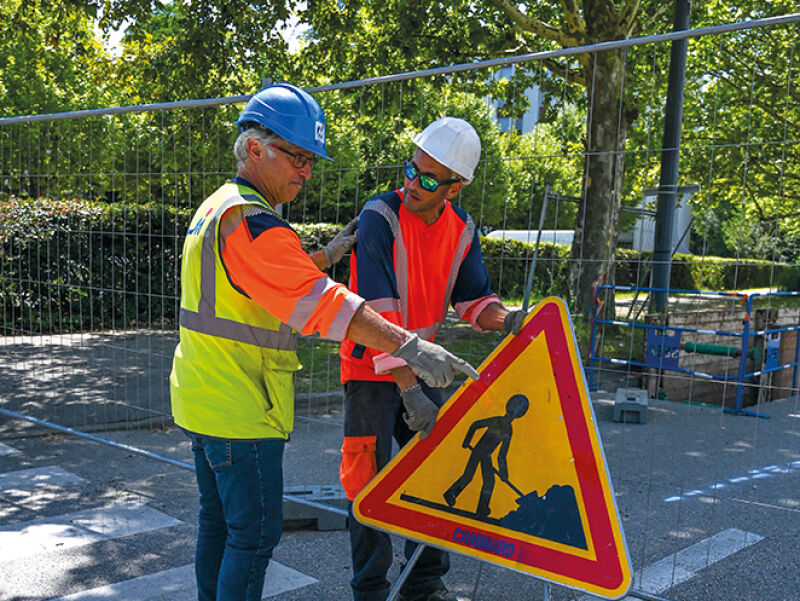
(514, 472)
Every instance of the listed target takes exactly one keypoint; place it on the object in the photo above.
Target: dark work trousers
(376, 409)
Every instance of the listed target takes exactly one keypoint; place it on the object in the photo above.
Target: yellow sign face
(513, 472)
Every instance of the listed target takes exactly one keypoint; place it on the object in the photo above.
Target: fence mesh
(93, 211)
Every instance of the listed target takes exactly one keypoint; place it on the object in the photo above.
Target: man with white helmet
(417, 254)
(247, 289)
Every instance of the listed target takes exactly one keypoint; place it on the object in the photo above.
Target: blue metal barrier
(663, 342)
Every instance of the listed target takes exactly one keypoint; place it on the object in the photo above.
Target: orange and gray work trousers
(373, 415)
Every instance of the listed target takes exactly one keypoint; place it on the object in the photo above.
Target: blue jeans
(241, 515)
(376, 409)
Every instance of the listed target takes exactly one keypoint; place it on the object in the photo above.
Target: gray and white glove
(512, 322)
(342, 242)
(420, 412)
(433, 363)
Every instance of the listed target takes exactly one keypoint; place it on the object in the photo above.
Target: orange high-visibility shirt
(264, 260)
(411, 273)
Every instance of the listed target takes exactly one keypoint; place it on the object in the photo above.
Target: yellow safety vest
(233, 369)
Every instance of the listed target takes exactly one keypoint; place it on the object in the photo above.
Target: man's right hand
(420, 412)
(433, 363)
(342, 242)
(512, 322)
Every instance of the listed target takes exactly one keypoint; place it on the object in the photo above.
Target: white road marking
(35, 488)
(178, 584)
(7, 450)
(37, 477)
(754, 474)
(77, 529)
(684, 565)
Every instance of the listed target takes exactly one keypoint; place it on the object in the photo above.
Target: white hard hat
(452, 142)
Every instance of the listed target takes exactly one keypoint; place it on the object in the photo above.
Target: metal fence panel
(94, 206)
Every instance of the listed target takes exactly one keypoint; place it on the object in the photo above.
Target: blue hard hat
(291, 113)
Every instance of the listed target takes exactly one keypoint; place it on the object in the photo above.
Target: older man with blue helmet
(247, 290)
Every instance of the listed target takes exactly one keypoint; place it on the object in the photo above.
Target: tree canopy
(51, 58)
(599, 129)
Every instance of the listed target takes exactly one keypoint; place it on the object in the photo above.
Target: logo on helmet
(319, 133)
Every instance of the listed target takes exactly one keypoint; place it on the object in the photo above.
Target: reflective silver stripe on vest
(401, 265)
(384, 305)
(401, 274)
(205, 320)
(428, 332)
(463, 244)
(385, 211)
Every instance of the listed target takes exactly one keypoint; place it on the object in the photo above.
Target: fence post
(529, 282)
(590, 370)
(796, 355)
(743, 358)
(670, 155)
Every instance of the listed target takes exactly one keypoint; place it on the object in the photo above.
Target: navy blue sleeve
(375, 276)
(262, 221)
(472, 281)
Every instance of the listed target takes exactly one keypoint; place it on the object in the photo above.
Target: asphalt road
(710, 504)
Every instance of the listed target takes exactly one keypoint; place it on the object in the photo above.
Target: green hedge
(508, 262)
(80, 265)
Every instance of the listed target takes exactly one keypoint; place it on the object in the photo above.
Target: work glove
(512, 322)
(341, 243)
(420, 412)
(434, 364)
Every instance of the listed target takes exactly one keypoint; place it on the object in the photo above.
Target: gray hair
(262, 135)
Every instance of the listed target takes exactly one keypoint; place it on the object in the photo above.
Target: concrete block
(327, 502)
(630, 405)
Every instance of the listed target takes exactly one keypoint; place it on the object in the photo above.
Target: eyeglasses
(426, 180)
(298, 160)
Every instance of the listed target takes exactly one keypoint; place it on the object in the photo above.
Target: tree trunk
(595, 243)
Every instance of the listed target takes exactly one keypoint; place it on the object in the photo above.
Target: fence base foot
(297, 514)
(747, 412)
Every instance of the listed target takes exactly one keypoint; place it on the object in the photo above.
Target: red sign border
(606, 572)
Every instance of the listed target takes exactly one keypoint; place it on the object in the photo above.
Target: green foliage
(42, 44)
(788, 278)
(371, 141)
(180, 50)
(740, 112)
(82, 265)
(353, 40)
(509, 262)
(739, 132)
(717, 273)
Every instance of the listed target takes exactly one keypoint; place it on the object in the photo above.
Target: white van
(529, 236)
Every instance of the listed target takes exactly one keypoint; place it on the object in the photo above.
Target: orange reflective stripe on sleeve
(274, 271)
(359, 464)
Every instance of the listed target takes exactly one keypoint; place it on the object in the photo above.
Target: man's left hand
(341, 243)
(420, 412)
(512, 322)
